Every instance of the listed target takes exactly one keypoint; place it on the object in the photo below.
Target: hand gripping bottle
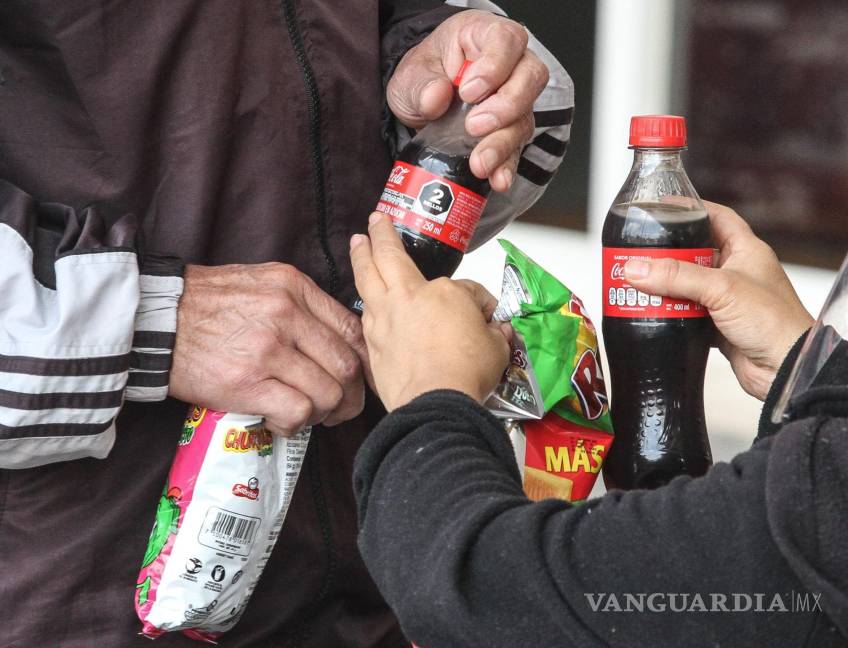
(657, 347)
(432, 197)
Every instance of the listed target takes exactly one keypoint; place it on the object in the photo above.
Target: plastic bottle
(657, 347)
(431, 195)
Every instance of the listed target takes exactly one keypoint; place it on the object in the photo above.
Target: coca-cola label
(623, 300)
(431, 205)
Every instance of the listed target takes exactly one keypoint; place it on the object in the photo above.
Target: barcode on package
(228, 531)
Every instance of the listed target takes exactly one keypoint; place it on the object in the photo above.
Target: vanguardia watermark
(713, 602)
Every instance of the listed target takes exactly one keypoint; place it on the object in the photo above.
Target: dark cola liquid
(434, 258)
(657, 366)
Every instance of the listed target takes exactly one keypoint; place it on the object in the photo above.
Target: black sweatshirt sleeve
(86, 321)
(465, 559)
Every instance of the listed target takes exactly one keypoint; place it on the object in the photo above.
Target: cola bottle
(432, 197)
(657, 347)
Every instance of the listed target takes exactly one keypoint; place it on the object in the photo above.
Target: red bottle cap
(457, 80)
(658, 131)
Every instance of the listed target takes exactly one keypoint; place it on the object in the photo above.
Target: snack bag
(553, 391)
(219, 516)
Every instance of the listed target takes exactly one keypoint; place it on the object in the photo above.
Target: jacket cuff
(161, 286)
(766, 426)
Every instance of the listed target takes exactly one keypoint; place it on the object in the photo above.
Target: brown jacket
(226, 131)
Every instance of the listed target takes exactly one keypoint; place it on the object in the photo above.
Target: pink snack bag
(216, 524)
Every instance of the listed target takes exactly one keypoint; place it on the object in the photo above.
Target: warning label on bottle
(623, 300)
(431, 205)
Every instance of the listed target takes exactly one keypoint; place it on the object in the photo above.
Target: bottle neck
(652, 160)
(657, 173)
(447, 134)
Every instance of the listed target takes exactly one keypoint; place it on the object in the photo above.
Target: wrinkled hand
(423, 335)
(504, 81)
(265, 340)
(753, 304)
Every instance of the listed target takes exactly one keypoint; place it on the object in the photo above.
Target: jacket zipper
(321, 211)
(299, 634)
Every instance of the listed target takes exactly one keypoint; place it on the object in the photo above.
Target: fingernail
(507, 177)
(474, 90)
(375, 217)
(489, 159)
(637, 269)
(355, 240)
(483, 123)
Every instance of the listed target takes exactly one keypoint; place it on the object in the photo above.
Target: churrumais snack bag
(217, 521)
(552, 393)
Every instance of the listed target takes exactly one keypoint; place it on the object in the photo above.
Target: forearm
(464, 558)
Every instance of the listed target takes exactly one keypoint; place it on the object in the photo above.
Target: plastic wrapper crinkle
(216, 523)
(552, 394)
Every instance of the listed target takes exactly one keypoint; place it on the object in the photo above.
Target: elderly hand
(752, 303)
(504, 81)
(423, 335)
(265, 340)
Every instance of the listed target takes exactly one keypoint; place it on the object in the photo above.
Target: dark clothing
(216, 131)
(465, 559)
(235, 131)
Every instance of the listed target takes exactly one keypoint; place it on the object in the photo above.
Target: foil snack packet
(552, 393)
(219, 516)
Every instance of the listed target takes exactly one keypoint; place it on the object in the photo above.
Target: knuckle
(348, 369)
(510, 32)
(286, 273)
(299, 411)
(669, 271)
(512, 103)
(350, 328)
(333, 397)
(275, 428)
(283, 305)
(264, 343)
(528, 125)
(539, 72)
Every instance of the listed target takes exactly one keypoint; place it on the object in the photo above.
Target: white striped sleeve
(154, 334)
(72, 300)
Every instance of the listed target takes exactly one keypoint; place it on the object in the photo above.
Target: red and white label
(623, 300)
(431, 205)
(243, 490)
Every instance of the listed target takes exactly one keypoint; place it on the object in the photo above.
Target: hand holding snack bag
(553, 391)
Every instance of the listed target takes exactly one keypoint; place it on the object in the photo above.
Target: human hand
(749, 297)
(504, 81)
(423, 335)
(265, 340)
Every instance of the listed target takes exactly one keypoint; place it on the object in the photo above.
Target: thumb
(677, 279)
(420, 91)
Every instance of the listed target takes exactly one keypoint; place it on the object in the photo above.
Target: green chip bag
(553, 391)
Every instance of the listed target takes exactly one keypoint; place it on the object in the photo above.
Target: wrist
(435, 383)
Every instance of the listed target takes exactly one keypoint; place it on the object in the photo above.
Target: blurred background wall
(764, 85)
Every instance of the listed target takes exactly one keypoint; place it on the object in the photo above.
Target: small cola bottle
(657, 347)
(432, 197)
